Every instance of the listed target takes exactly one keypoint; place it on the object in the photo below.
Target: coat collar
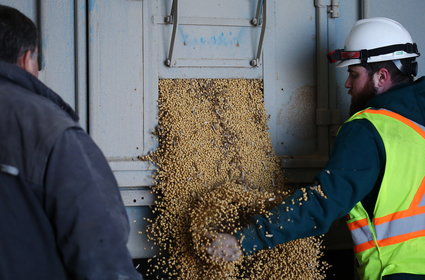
(19, 76)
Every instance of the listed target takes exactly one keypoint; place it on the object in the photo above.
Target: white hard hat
(373, 40)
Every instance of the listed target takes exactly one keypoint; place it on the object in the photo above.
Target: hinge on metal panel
(257, 20)
(172, 19)
(334, 9)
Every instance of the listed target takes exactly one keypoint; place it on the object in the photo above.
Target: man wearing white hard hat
(376, 172)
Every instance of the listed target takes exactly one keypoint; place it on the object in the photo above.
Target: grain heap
(216, 166)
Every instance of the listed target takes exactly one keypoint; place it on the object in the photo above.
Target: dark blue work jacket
(353, 173)
(61, 214)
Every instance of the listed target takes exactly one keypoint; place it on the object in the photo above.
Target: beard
(360, 100)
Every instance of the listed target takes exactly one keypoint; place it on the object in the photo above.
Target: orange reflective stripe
(399, 215)
(364, 246)
(388, 241)
(411, 211)
(401, 238)
(396, 116)
(419, 195)
(357, 224)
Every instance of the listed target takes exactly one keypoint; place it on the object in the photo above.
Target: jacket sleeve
(351, 173)
(84, 205)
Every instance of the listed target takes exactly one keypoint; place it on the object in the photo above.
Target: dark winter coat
(61, 214)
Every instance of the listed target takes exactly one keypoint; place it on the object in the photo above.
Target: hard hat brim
(385, 57)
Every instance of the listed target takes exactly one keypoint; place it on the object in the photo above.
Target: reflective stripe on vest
(394, 228)
(362, 237)
(399, 226)
(420, 129)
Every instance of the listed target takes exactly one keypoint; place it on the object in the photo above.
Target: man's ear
(382, 80)
(28, 62)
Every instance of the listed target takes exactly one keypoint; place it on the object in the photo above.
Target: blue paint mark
(219, 39)
(213, 40)
(184, 37)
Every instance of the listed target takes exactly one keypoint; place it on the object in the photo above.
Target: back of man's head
(18, 34)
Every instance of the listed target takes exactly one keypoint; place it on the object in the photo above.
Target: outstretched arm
(351, 174)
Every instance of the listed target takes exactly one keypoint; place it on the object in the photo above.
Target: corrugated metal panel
(58, 47)
(120, 110)
(293, 104)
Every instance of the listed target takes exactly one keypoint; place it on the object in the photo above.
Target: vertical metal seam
(40, 34)
(364, 9)
(322, 75)
(80, 61)
(76, 60)
(87, 65)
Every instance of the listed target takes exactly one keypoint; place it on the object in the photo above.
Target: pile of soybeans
(215, 168)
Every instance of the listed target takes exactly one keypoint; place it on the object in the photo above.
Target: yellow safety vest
(394, 240)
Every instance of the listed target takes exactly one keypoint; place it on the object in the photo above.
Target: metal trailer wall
(104, 57)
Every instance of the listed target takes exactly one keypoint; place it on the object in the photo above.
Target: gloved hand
(224, 247)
